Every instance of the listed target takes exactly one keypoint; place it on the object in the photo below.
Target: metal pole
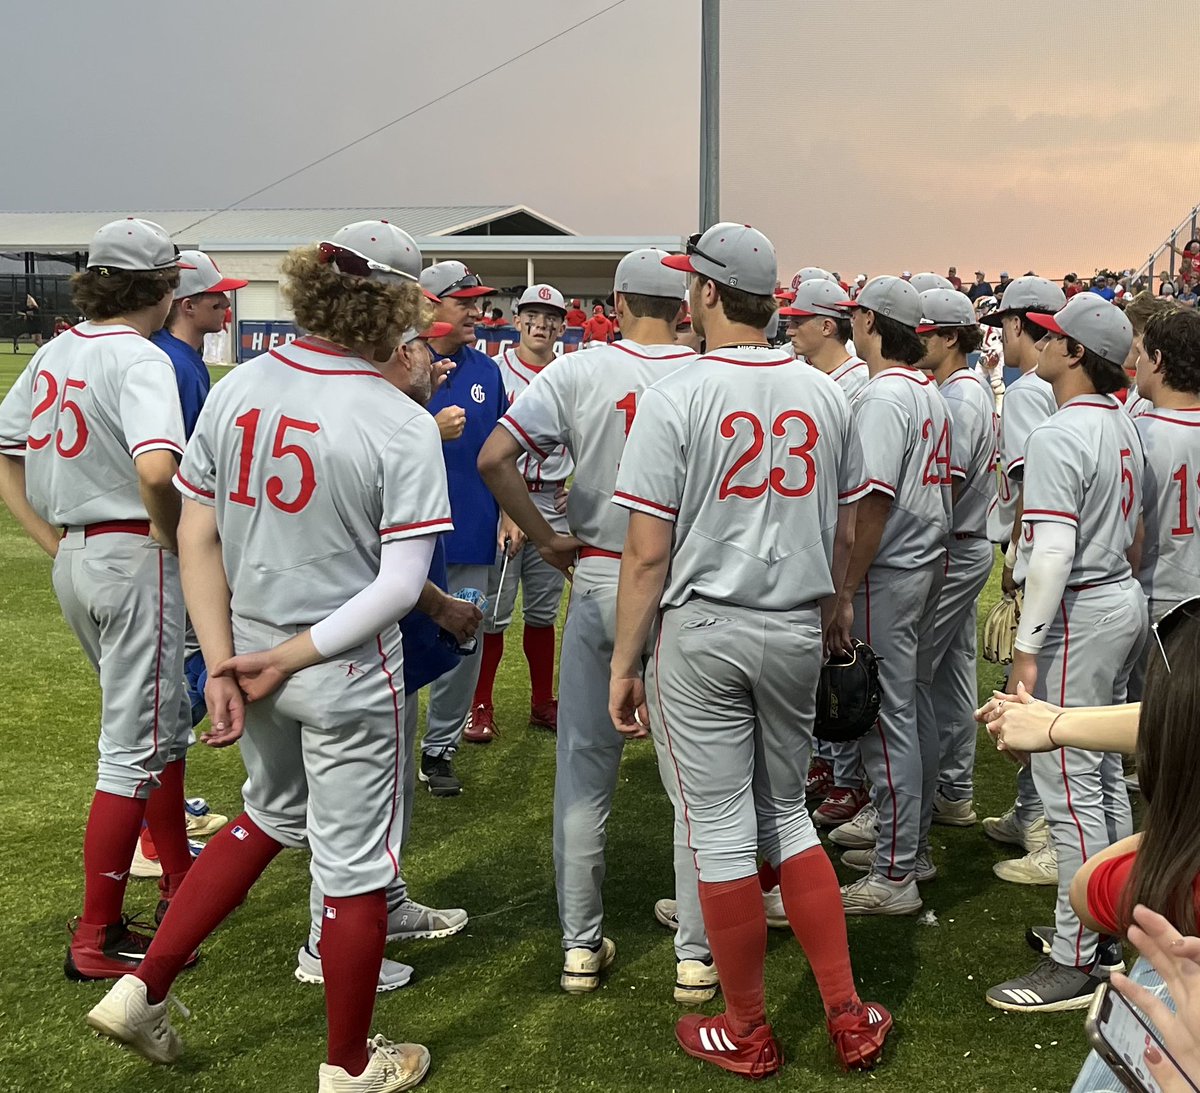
(1194, 211)
(710, 113)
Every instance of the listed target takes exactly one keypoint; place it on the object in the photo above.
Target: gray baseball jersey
(904, 427)
(851, 376)
(1135, 405)
(749, 453)
(1028, 401)
(1085, 468)
(87, 404)
(313, 461)
(587, 402)
(517, 376)
(1171, 551)
(973, 436)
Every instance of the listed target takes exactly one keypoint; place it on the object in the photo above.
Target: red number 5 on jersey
(776, 479)
(280, 449)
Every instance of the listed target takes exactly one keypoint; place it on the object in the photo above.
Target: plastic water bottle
(471, 595)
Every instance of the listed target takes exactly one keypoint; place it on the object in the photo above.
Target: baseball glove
(1000, 629)
(848, 695)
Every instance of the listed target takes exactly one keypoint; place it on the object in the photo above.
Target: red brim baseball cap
(436, 330)
(785, 294)
(228, 284)
(796, 313)
(679, 261)
(469, 293)
(1047, 322)
(847, 305)
(429, 295)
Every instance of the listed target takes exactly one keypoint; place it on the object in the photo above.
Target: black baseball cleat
(437, 772)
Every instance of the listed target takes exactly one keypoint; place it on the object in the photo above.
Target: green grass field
(486, 1002)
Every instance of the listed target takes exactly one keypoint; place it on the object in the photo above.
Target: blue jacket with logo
(475, 384)
(426, 658)
(191, 376)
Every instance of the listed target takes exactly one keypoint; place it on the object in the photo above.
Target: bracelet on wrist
(1050, 730)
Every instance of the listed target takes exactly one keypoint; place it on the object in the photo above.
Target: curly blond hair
(352, 311)
(1144, 306)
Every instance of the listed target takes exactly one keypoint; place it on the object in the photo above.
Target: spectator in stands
(496, 318)
(980, 287)
(61, 326)
(1189, 262)
(1166, 287)
(1002, 285)
(576, 316)
(1101, 288)
(599, 327)
(953, 277)
(1187, 296)
(1071, 285)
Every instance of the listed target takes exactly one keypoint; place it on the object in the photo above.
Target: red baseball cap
(453, 280)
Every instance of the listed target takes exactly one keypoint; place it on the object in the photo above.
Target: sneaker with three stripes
(755, 1055)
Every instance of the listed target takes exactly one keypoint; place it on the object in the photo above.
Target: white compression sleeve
(1045, 581)
(403, 568)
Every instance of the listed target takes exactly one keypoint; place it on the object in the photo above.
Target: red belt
(542, 487)
(1098, 584)
(960, 535)
(596, 552)
(113, 527)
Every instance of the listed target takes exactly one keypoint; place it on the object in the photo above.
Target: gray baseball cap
(1094, 323)
(817, 297)
(644, 273)
(382, 242)
(736, 255)
(200, 275)
(133, 244)
(945, 308)
(890, 296)
(453, 279)
(1027, 294)
(811, 273)
(923, 282)
(543, 296)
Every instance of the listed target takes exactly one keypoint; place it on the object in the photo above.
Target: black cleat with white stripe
(1050, 988)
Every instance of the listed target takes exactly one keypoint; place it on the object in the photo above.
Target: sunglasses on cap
(1185, 609)
(468, 280)
(353, 264)
(692, 248)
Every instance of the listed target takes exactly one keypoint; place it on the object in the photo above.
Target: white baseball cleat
(667, 912)
(124, 1014)
(860, 833)
(392, 974)
(582, 967)
(390, 1069)
(773, 904)
(695, 982)
(1038, 867)
(952, 813)
(876, 895)
(201, 820)
(1009, 829)
(864, 862)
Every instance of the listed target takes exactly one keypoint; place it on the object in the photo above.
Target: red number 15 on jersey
(280, 449)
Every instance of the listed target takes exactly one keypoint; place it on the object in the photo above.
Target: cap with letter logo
(890, 296)
(1094, 323)
(735, 255)
(945, 309)
(133, 244)
(643, 273)
(543, 296)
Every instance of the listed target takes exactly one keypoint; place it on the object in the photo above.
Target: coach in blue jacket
(466, 407)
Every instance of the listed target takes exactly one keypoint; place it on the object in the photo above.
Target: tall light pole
(710, 113)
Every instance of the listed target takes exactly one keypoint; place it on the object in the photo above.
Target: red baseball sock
(538, 643)
(167, 822)
(352, 938)
(489, 664)
(217, 882)
(737, 934)
(813, 902)
(113, 826)
(768, 877)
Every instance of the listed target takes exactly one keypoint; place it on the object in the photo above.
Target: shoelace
(389, 1052)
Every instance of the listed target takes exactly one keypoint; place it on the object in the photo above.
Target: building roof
(200, 228)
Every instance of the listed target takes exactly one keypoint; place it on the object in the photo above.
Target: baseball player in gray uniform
(1028, 402)
(91, 433)
(1168, 373)
(587, 402)
(1084, 616)
(947, 688)
(315, 490)
(541, 314)
(890, 589)
(819, 330)
(740, 477)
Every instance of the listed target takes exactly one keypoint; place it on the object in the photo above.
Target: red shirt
(1106, 887)
(576, 317)
(598, 329)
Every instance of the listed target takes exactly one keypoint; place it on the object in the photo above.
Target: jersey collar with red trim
(647, 352)
(326, 358)
(1096, 402)
(905, 373)
(846, 367)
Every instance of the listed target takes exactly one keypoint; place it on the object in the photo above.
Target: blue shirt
(1105, 292)
(476, 385)
(191, 375)
(426, 658)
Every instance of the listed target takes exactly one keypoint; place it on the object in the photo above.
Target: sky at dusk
(868, 136)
